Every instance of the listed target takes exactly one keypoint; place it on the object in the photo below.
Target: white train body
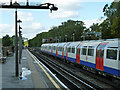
(99, 55)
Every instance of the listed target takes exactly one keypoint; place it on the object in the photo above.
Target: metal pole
(16, 46)
(73, 37)
(10, 2)
(27, 3)
(19, 46)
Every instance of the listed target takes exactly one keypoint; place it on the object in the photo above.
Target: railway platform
(33, 74)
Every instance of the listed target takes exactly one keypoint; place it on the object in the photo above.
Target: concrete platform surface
(33, 75)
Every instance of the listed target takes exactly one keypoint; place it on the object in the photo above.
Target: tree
(113, 18)
(6, 40)
(59, 32)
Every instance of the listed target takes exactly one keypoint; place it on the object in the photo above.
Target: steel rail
(71, 74)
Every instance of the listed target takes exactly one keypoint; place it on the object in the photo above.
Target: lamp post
(20, 44)
(16, 45)
(73, 37)
(66, 38)
(27, 6)
(60, 38)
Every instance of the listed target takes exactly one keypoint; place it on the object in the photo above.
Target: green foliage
(6, 40)
(109, 28)
(67, 28)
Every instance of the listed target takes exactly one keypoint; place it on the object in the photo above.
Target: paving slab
(36, 78)
(9, 80)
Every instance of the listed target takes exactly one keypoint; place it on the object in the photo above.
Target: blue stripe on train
(60, 56)
(106, 69)
(112, 71)
(54, 54)
(87, 64)
(72, 59)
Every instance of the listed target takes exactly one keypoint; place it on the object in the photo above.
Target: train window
(69, 49)
(78, 51)
(102, 53)
(54, 48)
(84, 51)
(61, 49)
(112, 54)
(73, 49)
(66, 49)
(90, 52)
(58, 48)
(98, 53)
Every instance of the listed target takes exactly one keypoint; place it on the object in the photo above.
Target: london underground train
(102, 56)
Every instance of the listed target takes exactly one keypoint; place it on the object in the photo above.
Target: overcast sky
(37, 21)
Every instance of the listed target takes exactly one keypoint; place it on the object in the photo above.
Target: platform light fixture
(18, 6)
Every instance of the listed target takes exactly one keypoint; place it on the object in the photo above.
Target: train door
(56, 50)
(100, 56)
(63, 52)
(78, 55)
(66, 53)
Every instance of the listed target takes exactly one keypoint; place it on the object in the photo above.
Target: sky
(37, 21)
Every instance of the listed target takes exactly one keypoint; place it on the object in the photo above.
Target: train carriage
(88, 53)
(112, 58)
(50, 51)
(65, 55)
(101, 56)
(61, 50)
(71, 51)
(55, 49)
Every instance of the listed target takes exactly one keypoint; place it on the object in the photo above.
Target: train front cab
(112, 58)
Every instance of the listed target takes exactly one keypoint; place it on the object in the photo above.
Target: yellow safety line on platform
(55, 84)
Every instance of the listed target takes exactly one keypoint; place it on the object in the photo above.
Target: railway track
(69, 78)
(108, 82)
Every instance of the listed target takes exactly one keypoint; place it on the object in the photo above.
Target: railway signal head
(53, 8)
